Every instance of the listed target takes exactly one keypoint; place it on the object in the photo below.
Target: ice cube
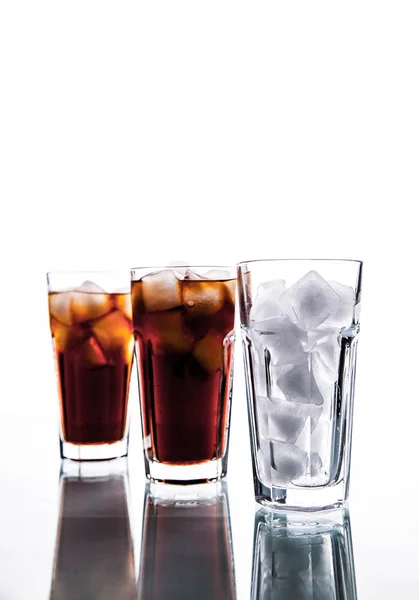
(66, 338)
(264, 461)
(282, 339)
(202, 298)
(179, 267)
(310, 301)
(161, 291)
(266, 304)
(89, 301)
(325, 341)
(325, 375)
(89, 287)
(192, 275)
(286, 421)
(260, 379)
(92, 353)
(298, 384)
(113, 332)
(209, 353)
(283, 421)
(60, 306)
(315, 464)
(343, 314)
(262, 412)
(325, 359)
(171, 335)
(217, 275)
(230, 290)
(314, 473)
(122, 302)
(289, 463)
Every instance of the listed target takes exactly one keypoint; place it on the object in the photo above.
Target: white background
(134, 133)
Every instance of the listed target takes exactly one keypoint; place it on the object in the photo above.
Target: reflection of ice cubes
(302, 565)
(283, 421)
(298, 384)
(310, 301)
(289, 463)
(291, 554)
(281, 338)
(266, 304)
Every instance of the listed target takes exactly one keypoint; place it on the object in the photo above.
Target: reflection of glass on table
(186, 549)
(94, 552)
(310, 560)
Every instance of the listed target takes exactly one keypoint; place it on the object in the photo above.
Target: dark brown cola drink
(184, 340)
(93, 343)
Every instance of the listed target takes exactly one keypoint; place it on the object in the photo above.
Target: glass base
(212, 470)
(94, 452)
(303, 499)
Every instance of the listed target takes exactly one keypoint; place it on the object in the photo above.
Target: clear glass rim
(330, 260)
(96, 271)
(164, 267)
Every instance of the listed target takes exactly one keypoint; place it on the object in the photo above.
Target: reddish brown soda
(184, 339)
(93, 344)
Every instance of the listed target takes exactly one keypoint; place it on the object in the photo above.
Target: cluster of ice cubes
(163, 290)
(295, 337)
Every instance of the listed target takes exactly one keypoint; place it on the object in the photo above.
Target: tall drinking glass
(184, 331)
(300, 325)
(91, 326)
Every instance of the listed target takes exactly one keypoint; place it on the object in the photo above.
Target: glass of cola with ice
(91, 326)
(184, 337)
(300, 325)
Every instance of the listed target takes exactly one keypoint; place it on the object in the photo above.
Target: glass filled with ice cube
(91, 326)
(300, 326)
(184, 338)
